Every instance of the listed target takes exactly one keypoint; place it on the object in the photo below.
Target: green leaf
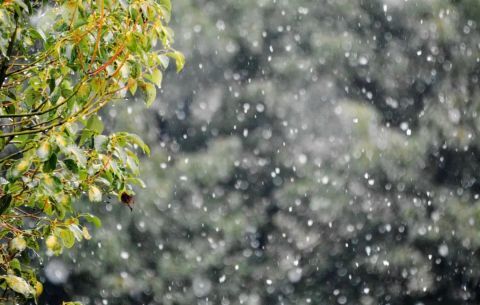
(71, 165)
(22, 4)
(166, 4)
(132, 164)
(50, 165)
(95, 124)
(179, 59)
(157, 77)
(51, 84)
(38, 34)
(5, 201)
(134, 139)
(15, 265)
(132, 86)
(92, 219)
(136, 181)
(67, 237)
(166, 9)
(151, 93)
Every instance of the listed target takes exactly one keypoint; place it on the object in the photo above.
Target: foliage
(60, 63)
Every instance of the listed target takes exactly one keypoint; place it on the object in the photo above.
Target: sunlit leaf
(94, 194)
(179, 59)
(19, 285)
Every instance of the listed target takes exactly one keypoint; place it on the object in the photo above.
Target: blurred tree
(315, 152)
(60, 63)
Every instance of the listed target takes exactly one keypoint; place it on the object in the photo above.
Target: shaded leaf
(5, 203)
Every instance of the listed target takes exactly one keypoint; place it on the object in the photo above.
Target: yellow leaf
(94, 194)
(86, 235)
(38, 289)
(17, 244)
(52, 243)
(132, 86)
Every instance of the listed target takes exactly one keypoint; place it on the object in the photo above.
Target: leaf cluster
(60, 63)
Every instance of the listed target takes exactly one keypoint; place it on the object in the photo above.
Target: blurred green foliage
(313, 152)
